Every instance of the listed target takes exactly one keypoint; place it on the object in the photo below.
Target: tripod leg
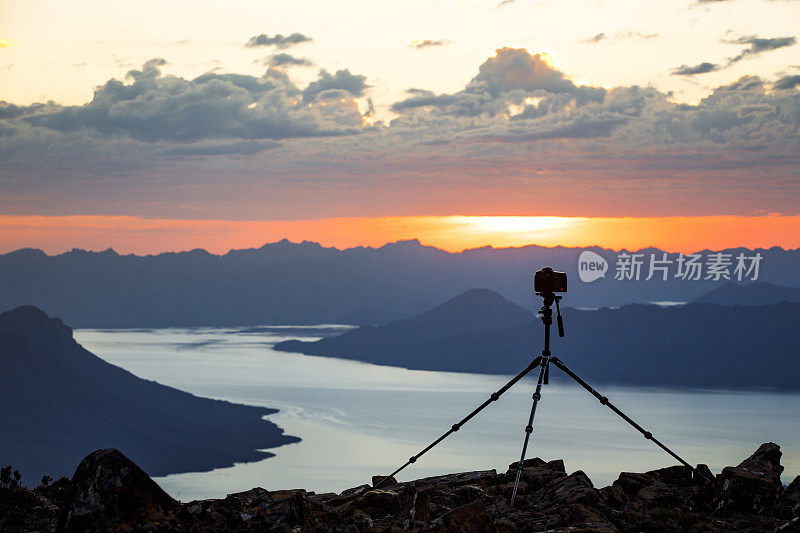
(493, 398)
(626, 418)
(529, 428)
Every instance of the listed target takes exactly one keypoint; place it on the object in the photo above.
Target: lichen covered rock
(110, 493)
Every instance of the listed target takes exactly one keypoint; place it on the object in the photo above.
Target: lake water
(358, 419)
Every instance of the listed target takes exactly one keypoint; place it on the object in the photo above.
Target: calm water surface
(358, 419)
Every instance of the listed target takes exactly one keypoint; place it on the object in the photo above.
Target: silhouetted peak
(480, 302)
(198, 252)
(481, 296)
(404, 244)
(287, 244)
(32, 323)
(283, 243)
(410, 245)
(26, 313)
(108, 252)
(24, 253)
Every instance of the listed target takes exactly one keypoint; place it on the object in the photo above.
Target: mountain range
(698, 345)
(305, 283)
(751, 294)
(57, 400)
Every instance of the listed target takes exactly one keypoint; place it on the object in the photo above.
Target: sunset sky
(159, 126)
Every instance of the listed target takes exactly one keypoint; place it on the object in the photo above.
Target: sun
(519, 226)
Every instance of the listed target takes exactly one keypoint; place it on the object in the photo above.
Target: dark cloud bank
(756, 46)
(278, 40)
(282, 60)
(149, 112)
(519, 118)
(702, 68)
(428, 43)
(546, 105)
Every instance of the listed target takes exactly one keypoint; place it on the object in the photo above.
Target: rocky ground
(110, 493)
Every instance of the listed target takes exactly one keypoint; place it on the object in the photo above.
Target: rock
(462, 478)
(355, 491)
(531, 480)
(379, 502)
(667, 488)
(26, 510)
(755, 485)
(389, 481)
(556, 465)
(576, 488)
(467, 519)
(109, 493)
(789, 503)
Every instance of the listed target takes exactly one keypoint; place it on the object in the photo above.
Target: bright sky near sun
(621, 123)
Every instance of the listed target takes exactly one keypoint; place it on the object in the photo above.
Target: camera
(548, 280)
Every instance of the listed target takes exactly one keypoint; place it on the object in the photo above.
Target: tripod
(543, 362)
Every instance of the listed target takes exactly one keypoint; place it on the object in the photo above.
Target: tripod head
(547, 313)
(549, 298)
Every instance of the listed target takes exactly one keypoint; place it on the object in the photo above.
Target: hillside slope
(57, 400)
(696, 345)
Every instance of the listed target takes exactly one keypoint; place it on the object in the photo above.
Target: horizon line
(375, 248)
(134, 235)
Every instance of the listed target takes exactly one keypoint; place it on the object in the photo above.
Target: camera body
(548, 280)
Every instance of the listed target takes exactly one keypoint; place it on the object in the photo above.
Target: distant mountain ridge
(750, 294)
(57, 400)
(695, 345)
(305, 283)
(397, 343)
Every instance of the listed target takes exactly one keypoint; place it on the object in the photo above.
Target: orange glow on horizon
(127, 234)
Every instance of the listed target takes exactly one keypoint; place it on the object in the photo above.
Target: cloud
(156, 108)
(428, 43)
(702, 68)
(588, 124)
(516, 69)
(507, 78)
(354, 84)
(10, 110)
(419, 98)
(519, 130)
(287, 60)
(619, 36)
(759, 45)
(521, 98)
(278, 40)
(213, 148)
(787, 82)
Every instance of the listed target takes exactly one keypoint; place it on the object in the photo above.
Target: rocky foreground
(110, 493)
